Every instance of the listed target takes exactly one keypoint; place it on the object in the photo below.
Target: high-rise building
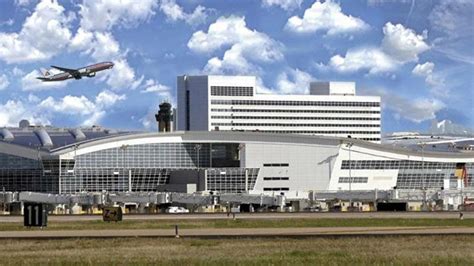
(207, 103)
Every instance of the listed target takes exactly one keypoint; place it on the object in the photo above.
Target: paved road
(239, 232)
(213, 216)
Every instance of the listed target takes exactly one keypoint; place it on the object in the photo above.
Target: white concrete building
(231, 103)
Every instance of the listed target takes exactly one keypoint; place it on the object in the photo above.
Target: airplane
(67, 73)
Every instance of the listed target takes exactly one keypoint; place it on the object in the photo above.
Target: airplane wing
(73, 72)
(43, 79)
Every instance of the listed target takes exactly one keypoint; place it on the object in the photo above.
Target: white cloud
(24, 2)
(4, 82)
(325, 16)
(14, 111)
(90, 112)
(17, 72)
(175, 12)
(8, 22)
(403, 44)
(246, 45)
(454, 20)
(102, 46)
(369, 58)
(423, 70)
(287, 5)
(152, 86)
(33, 98)
(44, 34)
(294, 81)
(102, 15)
(381, 2)
(30, 82)
(416, 110)
(434, 80)
(399, 46)
(122, 76)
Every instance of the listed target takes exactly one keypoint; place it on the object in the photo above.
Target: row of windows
(293, 125)
(233, 180)
(276, 189)
(419, 180)
(231, 91)
(356, 179)
(276, 165)
(321, 132)
(276, 178)
(296, 103)
(381, 164)
(294, 111)
(295, 117)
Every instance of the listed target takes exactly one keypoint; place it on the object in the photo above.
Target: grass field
(416, 250)
(253, 223)
(248, 223)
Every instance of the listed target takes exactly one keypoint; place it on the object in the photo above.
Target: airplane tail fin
(45, 72)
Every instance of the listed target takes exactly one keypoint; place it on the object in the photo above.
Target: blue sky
(417, 55)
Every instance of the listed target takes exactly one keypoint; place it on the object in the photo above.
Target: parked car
(175, 209)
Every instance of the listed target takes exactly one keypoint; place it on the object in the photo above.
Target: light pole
(423, 174)
(349, 145)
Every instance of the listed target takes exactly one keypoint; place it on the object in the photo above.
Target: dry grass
(408, 250)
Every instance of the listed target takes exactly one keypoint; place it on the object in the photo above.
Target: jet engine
(90, 75)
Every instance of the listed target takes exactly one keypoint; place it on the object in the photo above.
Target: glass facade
(415, 174)
(231, 180)
(23, 174)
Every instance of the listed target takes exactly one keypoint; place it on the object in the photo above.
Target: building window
(276, 189)
(231, 91)
(355, 179)
(276, 165)
(275, 178)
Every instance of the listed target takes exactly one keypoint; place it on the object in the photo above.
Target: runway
(260, 216)
(238, 232)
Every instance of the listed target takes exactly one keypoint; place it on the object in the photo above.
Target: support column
(129, 180)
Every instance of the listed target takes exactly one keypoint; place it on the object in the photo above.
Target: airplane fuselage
(88, 71)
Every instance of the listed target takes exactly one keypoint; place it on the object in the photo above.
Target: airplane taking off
(67, 73)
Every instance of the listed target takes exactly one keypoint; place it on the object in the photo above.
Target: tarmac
(36, 233)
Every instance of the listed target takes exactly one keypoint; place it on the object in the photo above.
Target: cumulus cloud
(153, 86)
(14, 111)
(371, 58)
(325, 16)
(294, 81)
(413, 109)
(102, 46)
(434, 80)
(403, 44)
(287, 5)
(24, 2)
(17, 72)
(399, 46)
(102, 15)
(423, 70)
(246, 45)
(90, 111)
(43, 34)
(175, 12)
(4, 82)
(30, 82)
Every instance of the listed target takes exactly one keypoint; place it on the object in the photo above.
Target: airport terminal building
(72, 161)
(231, 103)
